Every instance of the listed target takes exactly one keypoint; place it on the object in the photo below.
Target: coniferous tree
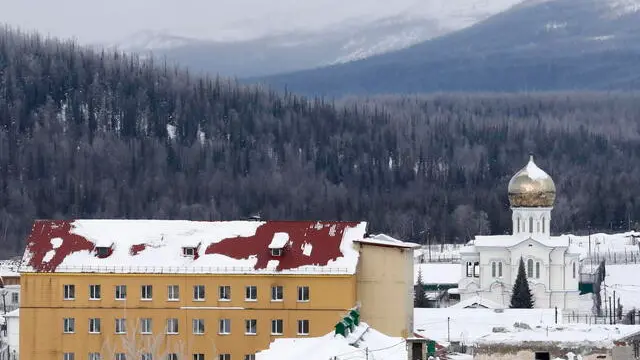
(420, 296)
(521, 297)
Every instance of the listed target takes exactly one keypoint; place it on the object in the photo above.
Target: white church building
(490, 263)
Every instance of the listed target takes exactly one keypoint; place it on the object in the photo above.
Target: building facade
(490, 263)
(118, 289)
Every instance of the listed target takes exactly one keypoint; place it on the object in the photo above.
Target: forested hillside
(95, 135)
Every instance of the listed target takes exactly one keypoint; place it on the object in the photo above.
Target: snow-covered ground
(364, 343)
(437, 273)
(625, 281)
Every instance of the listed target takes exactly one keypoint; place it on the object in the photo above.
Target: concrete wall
(43, 306)
(13, 333)
(385, 288)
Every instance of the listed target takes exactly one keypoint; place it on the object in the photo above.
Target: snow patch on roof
(386, 240)
(534, 171)
(306, 249)
(600, 336)
(279, 240)
(467, 325)
(148, 246)
(329, 346)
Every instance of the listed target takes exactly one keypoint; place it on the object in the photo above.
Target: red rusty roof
(220, 247)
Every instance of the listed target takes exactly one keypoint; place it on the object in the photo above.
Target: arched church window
(493, 269)
(544, 220)
(530, 268)
(500, 269)
(573, 264)
(537, 269)
(531, 224)
(518, 224)
(538, 226)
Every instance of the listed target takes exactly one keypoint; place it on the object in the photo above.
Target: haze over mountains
(365, 33)
(537, 45)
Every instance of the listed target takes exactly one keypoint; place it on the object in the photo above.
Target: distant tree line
(91, 134)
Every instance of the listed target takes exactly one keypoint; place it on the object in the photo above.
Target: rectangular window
(69, 325)
(173, 293)
(303, 293)
(224, 357)
(476, 269)
(95, 356)
(15, 298)
(94, 326)
(172, 326)
(276, 326)
(69, 356)
(172, 356)
(146, 356)
(224, 293)
(500, 269)
(198, 356)
(94, 292)
(250, 327)
(537, 270)
(224, 326)
(198, 326)
(198, 293)
(494, 269)
(277, 293)
(121, 326)
(189, 251)
(303, 327)
(251, 293)
(121, 356)
(469, 269)
(69, 292)
(250, 357)
(121, 292)
(146, 292)
(146, 326)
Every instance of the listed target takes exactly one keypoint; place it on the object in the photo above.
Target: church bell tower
(531, 194)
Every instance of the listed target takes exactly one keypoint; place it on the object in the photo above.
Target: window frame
(224, 293)
(173, 292)
(224, 326)
(198, 330)
(172, 356)
(274, 291)
(301, 294)
(197, 293)
(301, 326)
(248, 326)
(149, 326)
(224, 356)
(146, 356)
(146, 292)
(69, 325)
(69, 356)
(248, 292)
(274, 325)
(120, 292)
(250, 357)
(69, 292)
(95, 323)
(95, 356)
(198, 356)
(121, 325)
(120, 356)
(93, 289)
(169, 329)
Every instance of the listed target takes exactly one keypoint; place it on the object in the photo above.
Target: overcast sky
(96, 21)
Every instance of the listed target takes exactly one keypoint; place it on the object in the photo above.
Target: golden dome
(531, 187)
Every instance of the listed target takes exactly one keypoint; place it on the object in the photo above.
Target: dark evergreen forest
(90, 134)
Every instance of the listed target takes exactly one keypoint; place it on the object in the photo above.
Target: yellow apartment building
(152, 289)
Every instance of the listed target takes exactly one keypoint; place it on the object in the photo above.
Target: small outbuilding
(576, 341)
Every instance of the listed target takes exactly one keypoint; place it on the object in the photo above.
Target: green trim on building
(585, 288)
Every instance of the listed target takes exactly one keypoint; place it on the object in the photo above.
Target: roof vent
(103, 251)
(279, 241)
(189, 251)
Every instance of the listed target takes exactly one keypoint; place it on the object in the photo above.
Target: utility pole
(614, 307)
(610, 312)
(448, 329)
(556, 314)
(366, 353)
